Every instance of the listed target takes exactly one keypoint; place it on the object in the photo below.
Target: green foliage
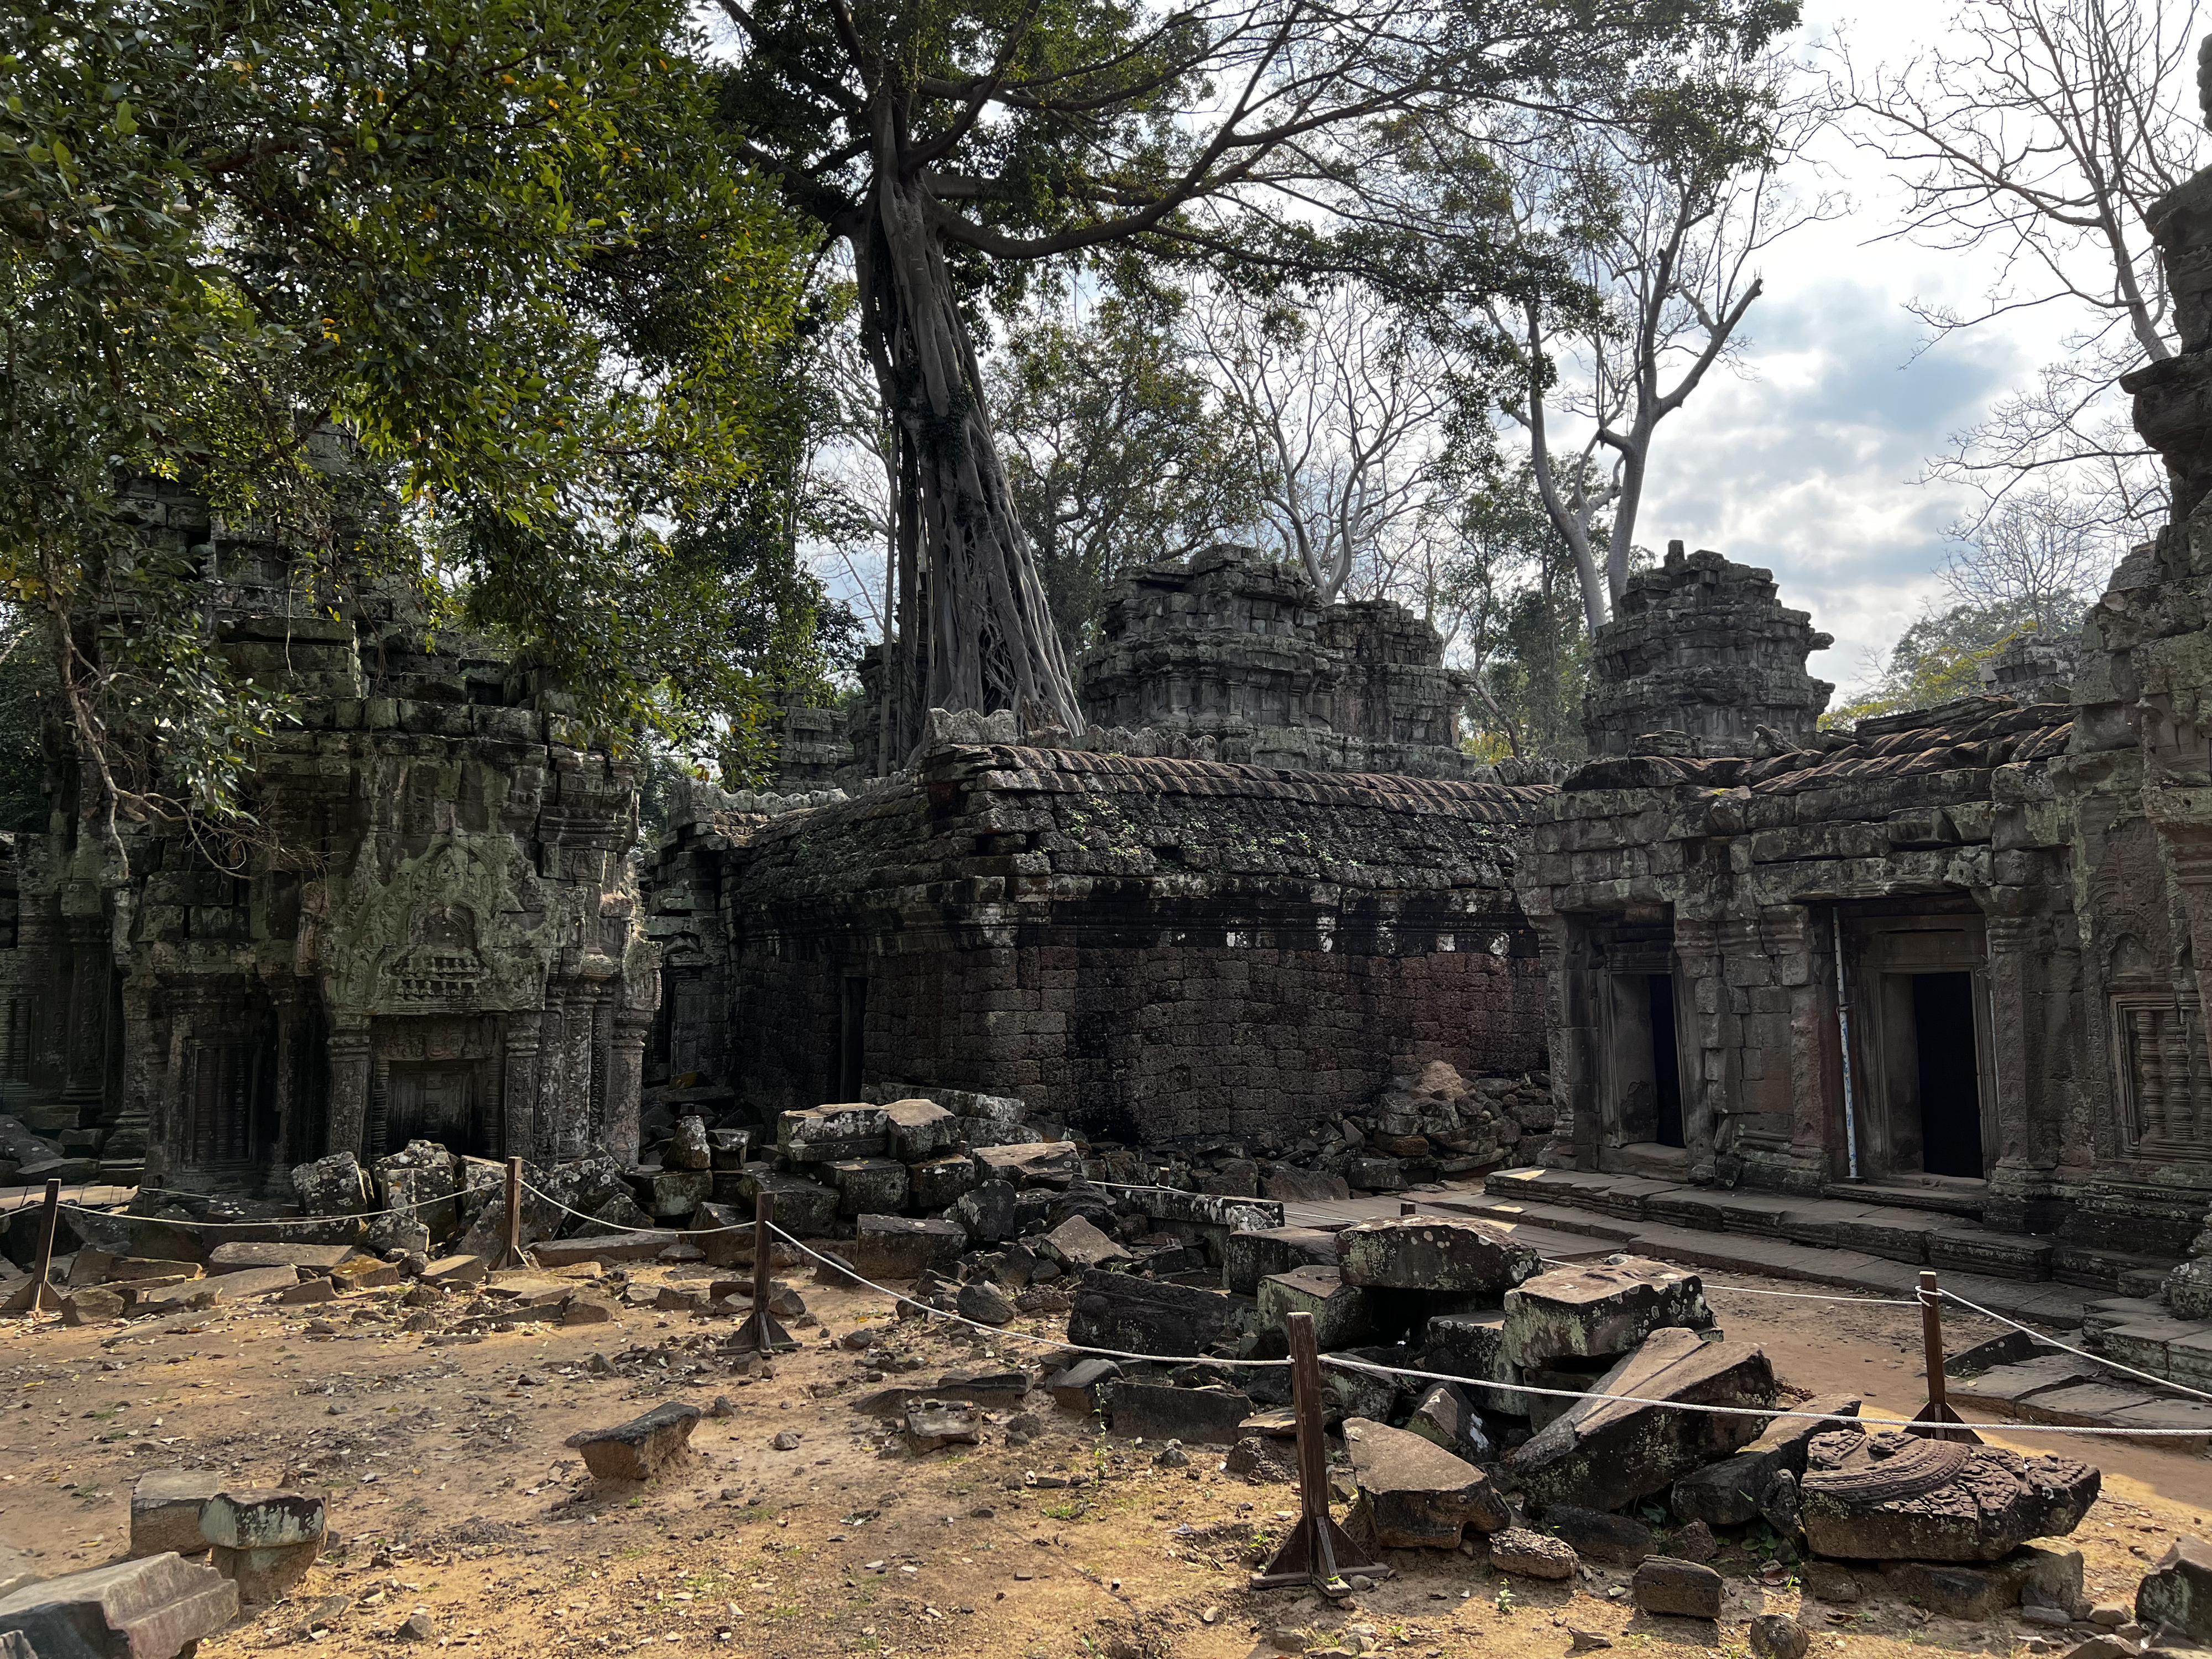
(1940, 657)
(26, 676)
(487, 263)
(1116, 448)
(1511, 584)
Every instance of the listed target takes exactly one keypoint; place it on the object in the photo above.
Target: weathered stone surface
(1445, 1415)
(1896, 1497)
(1473, 1345)
(935, 1184)
(1615, 1539)
(1418, 1493)
(821, 1133)
(641, 1447)
(1602, 1453)
(1053, 1164)
(1604, 1307)
(150, 1608)
(2029, 1576)
(91, 1304)
(1076, 1246)
(1777, 1636)
(1249, 1256)
(599, 1247)
(1682, 1589)
(2178, 1590)
(804, 1208)
(1733, 1491)
(672, 1194)
(933, 1424)
(688, 1147)
(986, 1213)
(919, 1129)
(1529, 1554)
(457, 1270)
(1128, 1314)
(985, 1302)
(165, 1511)
(239, 1253)
(868, 1186)
(1303, 1186)
(264, 1538)
(1209, 1416)
(1343, 1315)
(900, 1247)
(1077, 1387)
(1425, 1253)
(336, 1185)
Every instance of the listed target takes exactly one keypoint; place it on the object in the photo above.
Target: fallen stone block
(1616, 1539)
(1128, 1314)
(1249, 1256)
(2029, 1576)
(1603, 1453)
(641, 1447)
(1417, 1494)
(165, 1511)
(984, 1303)
(919, 1129)
(264, 1538)
(688, 1147)
(1896, 1497)
(900, 1247)
(1777, 1636)
(92, 1304)
(336, 1185)
(1053, 1164)
(1077, 1245)
(820, 1134)
(933, 1424)
(364, 1273)
(1679, 1590)
(242, 1285)
(152, 1608)
(1343, 1313)
(804, 1209)
(599, 1247)
(986, 1213)
(1303, 1186)
(1605, 1308)
(868, 1186)
(1529, 1554)
(1077, 1388)
(1735, 1491)
(937, 1184)
(1473, 1345)
(457, 1270)
(246, 1253)
(587, 1310)
(1425, 1253)
(672, 1194)
(2178, 1590)
(1156, 1411)
(1262, 1458)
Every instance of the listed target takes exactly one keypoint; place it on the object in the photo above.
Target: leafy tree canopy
(487, 261)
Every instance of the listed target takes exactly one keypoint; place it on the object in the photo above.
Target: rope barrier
(280, 1221)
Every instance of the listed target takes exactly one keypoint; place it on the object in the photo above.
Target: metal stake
(1318, 1551)
(760, 1333)
(1936, 1420)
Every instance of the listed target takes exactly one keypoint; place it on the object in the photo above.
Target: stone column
(348, 1050)
(519, 1110)
(625, 1082)
(2027, 1129)
(146, 1111)
(84, 1085)
(1573, 1144)
(1700, 953)
(1794, 1142)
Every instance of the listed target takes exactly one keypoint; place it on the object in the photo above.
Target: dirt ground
(451, 1493)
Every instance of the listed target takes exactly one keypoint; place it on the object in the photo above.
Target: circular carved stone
(1917, 1467)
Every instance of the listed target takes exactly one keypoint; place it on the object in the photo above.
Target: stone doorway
(435, 1102)
(1922, 1053)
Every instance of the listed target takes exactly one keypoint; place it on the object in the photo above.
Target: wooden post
(1407, 1207)
(1936, 1420)
(1318, 1551)
(760, 1334)
(511, 1256)
(43, 1294)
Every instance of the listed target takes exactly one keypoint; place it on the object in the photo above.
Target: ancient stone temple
(435, 938)
(1143, 948)
(1701, 647)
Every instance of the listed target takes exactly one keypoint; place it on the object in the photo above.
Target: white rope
(1806, 1295)
(274, 1221)
(2095, 1359)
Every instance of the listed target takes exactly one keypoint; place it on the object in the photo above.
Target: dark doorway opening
(853, 1038)
(1666, 1065)
(1950, 1086)
(433, 1102)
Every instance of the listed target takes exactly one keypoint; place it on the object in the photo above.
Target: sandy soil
(452, 1494)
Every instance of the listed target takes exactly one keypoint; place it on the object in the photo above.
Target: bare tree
(2037, 558)
(1345, 400)
(1663, 221)
(2040, 132)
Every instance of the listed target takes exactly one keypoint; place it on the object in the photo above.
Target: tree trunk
(974, 630)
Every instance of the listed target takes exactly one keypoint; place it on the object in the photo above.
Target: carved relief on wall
(441, 965)
(2164, 1081)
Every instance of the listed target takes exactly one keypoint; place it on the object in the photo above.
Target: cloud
(1808, 459)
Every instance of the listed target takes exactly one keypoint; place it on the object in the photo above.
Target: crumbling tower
(1701, 647)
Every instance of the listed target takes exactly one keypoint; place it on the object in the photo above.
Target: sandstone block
(318, 1258)
(1029, 1163)
(1343, 1315)
(2029, 1576)
(1249, 1257)
(1077, 1387)
(868, 1186)
(984, 1303)
(935, 1184)
(641, 1447)
(1617, 1540)
(986, 1213)
(1603, 1453)
(165, 1511)
(1683, 1589)
(804, 1208)
(1420, 1253)
(264, 1538)
(1605, 1308)
(1141, 1316)
(688, 1147)
(821, 1134)
(336, 1185)
(1419, 1494)
(2178, 1590)
(1444, 1415)
(919, 1129)
(150, 1608)
(568, 1252)
(1896, 1497)
(899, 1247)
(1076, 1246)
(1736, 1489)
(91, 1304)
(1197, 1417)
(1529, 1554)
(672, 1194)
(933, 1424)
(1473, 1345)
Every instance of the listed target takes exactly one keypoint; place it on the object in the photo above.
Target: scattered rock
(1827, 1582)
(1586, 1640)
(1693, 1542)
(264, 1538)
(1897, 1497)
(1957, 1590)
(1777, 1636)
(932, 1425)
(1615, 1539)
(1416, 1494)
(1077, 1245)
(1077, 1389)
(1684, 1589)
(785, 1440)
(165, 1511)
(1173, 1456)
(2178, 1591)
(1262, 1458)
(1531, 1554)
(1605, 1308)
(416, 1627)
(984, 1303)
(641, 1447)
(1423, 1252)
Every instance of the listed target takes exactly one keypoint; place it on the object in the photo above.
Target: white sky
(1807, 460)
